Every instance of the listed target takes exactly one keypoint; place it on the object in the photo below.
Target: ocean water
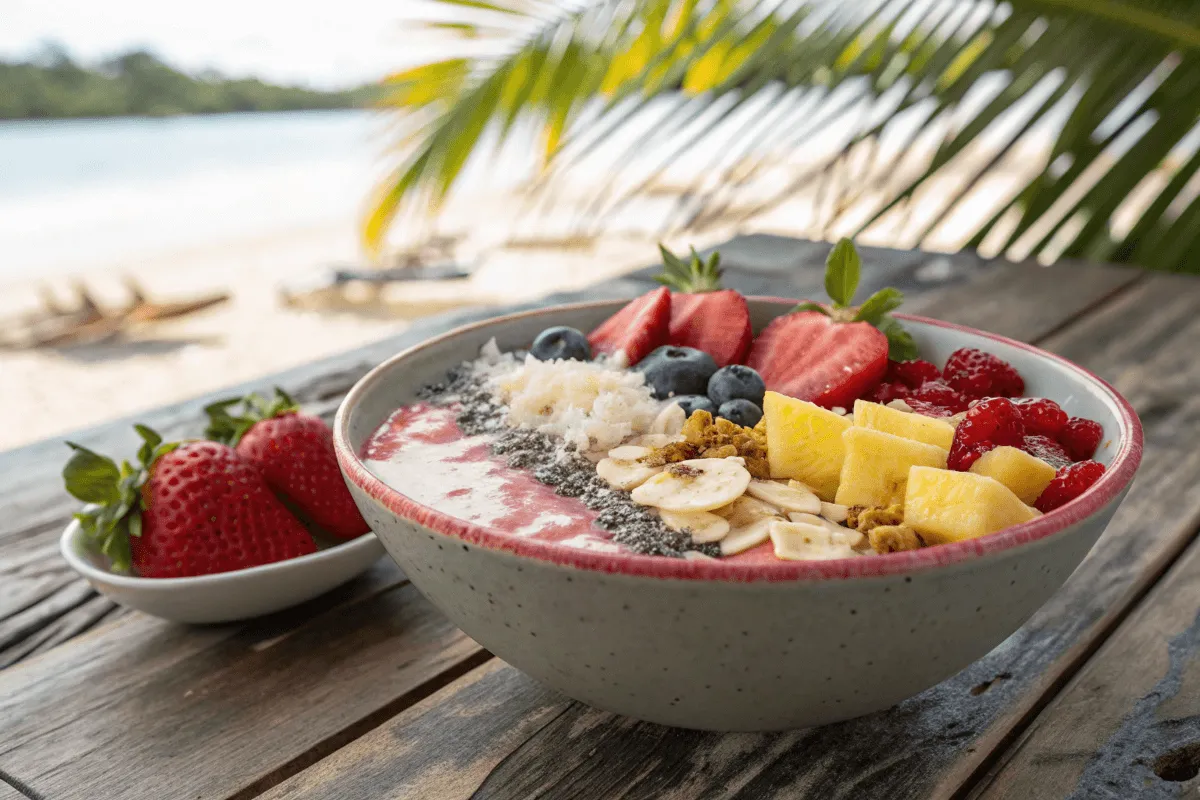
(88, 193)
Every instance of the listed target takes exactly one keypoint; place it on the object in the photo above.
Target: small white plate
(226, 596)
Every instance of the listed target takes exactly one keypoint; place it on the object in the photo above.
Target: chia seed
(559, 465)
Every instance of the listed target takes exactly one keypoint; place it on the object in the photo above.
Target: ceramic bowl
(725, 646)
(226, 596)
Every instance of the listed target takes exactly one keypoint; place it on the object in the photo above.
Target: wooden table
(369, 692)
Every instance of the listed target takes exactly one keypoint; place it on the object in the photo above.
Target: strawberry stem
(228, 428)
(114, 492)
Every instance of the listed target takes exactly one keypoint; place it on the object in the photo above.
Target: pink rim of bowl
(1119, 473)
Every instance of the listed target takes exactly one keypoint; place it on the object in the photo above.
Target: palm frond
(1034, 127)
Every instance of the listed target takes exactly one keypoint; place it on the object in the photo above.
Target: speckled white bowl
(225, 596)
(723, 646)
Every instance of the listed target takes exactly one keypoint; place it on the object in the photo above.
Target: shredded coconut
(588, 405)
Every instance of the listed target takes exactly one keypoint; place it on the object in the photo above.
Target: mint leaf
(809, 305)
(842, 269)
(901, 346)
(91, 477)
(878, 305)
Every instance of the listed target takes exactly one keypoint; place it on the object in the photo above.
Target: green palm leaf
(897, 116)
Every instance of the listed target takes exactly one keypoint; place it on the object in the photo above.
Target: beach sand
(50, 391)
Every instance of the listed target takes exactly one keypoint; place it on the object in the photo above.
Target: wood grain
(1128, 725)
(144, 708)
(449, 743)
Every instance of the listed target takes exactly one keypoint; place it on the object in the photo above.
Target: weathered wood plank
(144, 708)
(1129, 724)
(9, 792)
(451, 741)
(929, 746)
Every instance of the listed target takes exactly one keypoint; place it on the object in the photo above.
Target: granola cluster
(705, 437)
(884, 528)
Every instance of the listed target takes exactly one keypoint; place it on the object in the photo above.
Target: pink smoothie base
(526, 498)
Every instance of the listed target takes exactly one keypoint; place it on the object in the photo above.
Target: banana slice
(699, 484)
(656, 440)
(803, 541)
(749, 520)
(704, 526)
(746, 510)
(840, 535)
(748, 536)
(788, 498)
(834, 512)
(795, 484)
(670, 420)
(622, 470)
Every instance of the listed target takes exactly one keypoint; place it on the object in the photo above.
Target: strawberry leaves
(91, 477)
(843, 268)
(114, 492)
(696, 275)
(228, 428)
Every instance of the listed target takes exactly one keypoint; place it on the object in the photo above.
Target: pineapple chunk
(1028, 476)
(804, 442)
(917, 427)
(944, 506)
(875, 472)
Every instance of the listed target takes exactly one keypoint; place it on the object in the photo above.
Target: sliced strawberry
(716, 322)
(809, 356)
(636, 329)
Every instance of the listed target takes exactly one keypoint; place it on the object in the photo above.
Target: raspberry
(979, 374)
(995, 420)
(1070, 482)
(888, 391)
(1047, 450)
(937, 393)
(963, 454)
(912, 373)
(1080, 437)
(1042, 416)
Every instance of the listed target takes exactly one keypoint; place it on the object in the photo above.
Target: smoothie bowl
(791, 530)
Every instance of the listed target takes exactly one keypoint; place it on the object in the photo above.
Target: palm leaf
(889, 115)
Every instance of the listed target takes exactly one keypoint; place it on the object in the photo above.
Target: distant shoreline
(139, 84)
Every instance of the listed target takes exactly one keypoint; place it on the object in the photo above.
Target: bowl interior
(397, 381)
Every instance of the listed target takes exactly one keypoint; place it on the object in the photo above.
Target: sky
(326, 44)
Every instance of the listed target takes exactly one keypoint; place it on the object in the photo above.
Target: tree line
(138, 83)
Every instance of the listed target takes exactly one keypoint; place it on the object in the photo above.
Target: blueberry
(736, 382)
(674, 371)
(561, 342)
(740, 412)
(696, 402)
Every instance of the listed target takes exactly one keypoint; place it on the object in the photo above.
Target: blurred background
(190, 200)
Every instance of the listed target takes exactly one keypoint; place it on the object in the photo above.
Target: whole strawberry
(294, 452)
(188, 509)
